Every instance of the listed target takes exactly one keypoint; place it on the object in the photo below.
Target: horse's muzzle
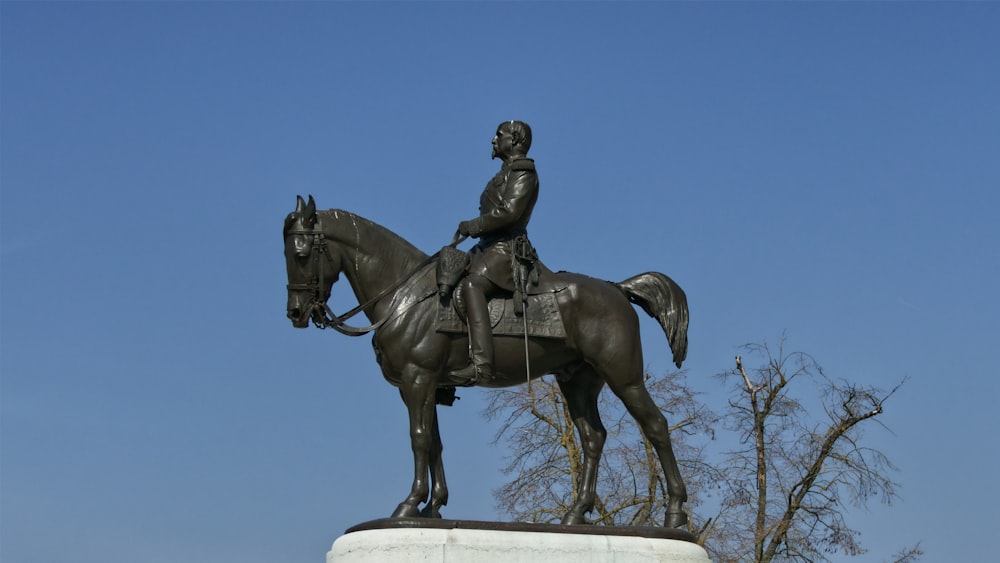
(299, 320)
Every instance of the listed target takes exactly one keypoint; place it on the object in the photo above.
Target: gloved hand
(468, 228)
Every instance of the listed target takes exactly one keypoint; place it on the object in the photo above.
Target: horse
(395, 286)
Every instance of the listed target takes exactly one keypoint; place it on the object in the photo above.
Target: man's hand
(468, 228)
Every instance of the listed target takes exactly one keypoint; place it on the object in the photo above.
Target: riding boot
(477, 314)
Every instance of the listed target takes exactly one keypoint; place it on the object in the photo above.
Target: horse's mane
(338, 215)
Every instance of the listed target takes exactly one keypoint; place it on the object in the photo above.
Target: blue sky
(825, 169)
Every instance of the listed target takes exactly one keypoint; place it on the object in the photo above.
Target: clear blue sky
(825, 169)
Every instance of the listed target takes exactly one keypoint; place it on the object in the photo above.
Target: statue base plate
(407, 540)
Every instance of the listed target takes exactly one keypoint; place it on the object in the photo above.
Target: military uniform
(505, 209)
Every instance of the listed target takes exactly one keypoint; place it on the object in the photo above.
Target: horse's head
(312, 267)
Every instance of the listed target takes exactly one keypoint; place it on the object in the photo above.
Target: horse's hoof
(406, 511)
(677, 519)
(572, 519)
(430, 511)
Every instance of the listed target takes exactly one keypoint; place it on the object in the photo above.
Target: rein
(323, 317)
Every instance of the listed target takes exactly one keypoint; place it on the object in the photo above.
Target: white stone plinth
(470, 544)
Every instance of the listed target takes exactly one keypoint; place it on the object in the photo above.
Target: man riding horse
(601, 347)
(498, 260)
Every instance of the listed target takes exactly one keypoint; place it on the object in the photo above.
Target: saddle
(541, 315)
(509, 315)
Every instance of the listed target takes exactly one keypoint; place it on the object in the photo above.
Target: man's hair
(521, 133)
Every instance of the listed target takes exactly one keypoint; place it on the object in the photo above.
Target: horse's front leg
(417, 390)
(439, 487)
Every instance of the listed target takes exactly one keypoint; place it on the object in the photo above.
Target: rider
(504, 211)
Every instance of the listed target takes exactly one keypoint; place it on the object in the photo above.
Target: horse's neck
(371, 256)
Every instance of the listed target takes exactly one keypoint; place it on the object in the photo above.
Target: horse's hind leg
(654, 426)
(581, 390)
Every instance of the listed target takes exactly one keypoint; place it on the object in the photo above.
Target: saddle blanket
(544, 319)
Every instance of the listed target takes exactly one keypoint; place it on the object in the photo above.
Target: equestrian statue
(495, 317)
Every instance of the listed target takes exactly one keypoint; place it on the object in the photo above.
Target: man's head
(513, 138)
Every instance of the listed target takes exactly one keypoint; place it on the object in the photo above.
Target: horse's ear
(300, 204)
(311, 207)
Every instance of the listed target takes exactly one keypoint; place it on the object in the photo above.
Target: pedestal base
(402, 540)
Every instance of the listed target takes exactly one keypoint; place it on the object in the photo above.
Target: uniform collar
(506, 165)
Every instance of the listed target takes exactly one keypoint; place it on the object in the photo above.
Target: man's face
(503, 142)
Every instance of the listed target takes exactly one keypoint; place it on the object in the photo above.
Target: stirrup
(469, 376)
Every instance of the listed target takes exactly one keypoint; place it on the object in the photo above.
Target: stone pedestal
(404, 540)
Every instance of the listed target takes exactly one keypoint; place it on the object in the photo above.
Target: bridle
(319, 311)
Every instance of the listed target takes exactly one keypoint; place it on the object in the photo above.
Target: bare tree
(545, 452)
(782, 493)
(908, 555)
(798, 467)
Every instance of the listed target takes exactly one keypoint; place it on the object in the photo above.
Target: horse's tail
(666, 302)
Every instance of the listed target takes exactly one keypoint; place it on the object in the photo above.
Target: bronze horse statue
(395, 284)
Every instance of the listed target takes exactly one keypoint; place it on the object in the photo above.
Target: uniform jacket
(504, 212)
